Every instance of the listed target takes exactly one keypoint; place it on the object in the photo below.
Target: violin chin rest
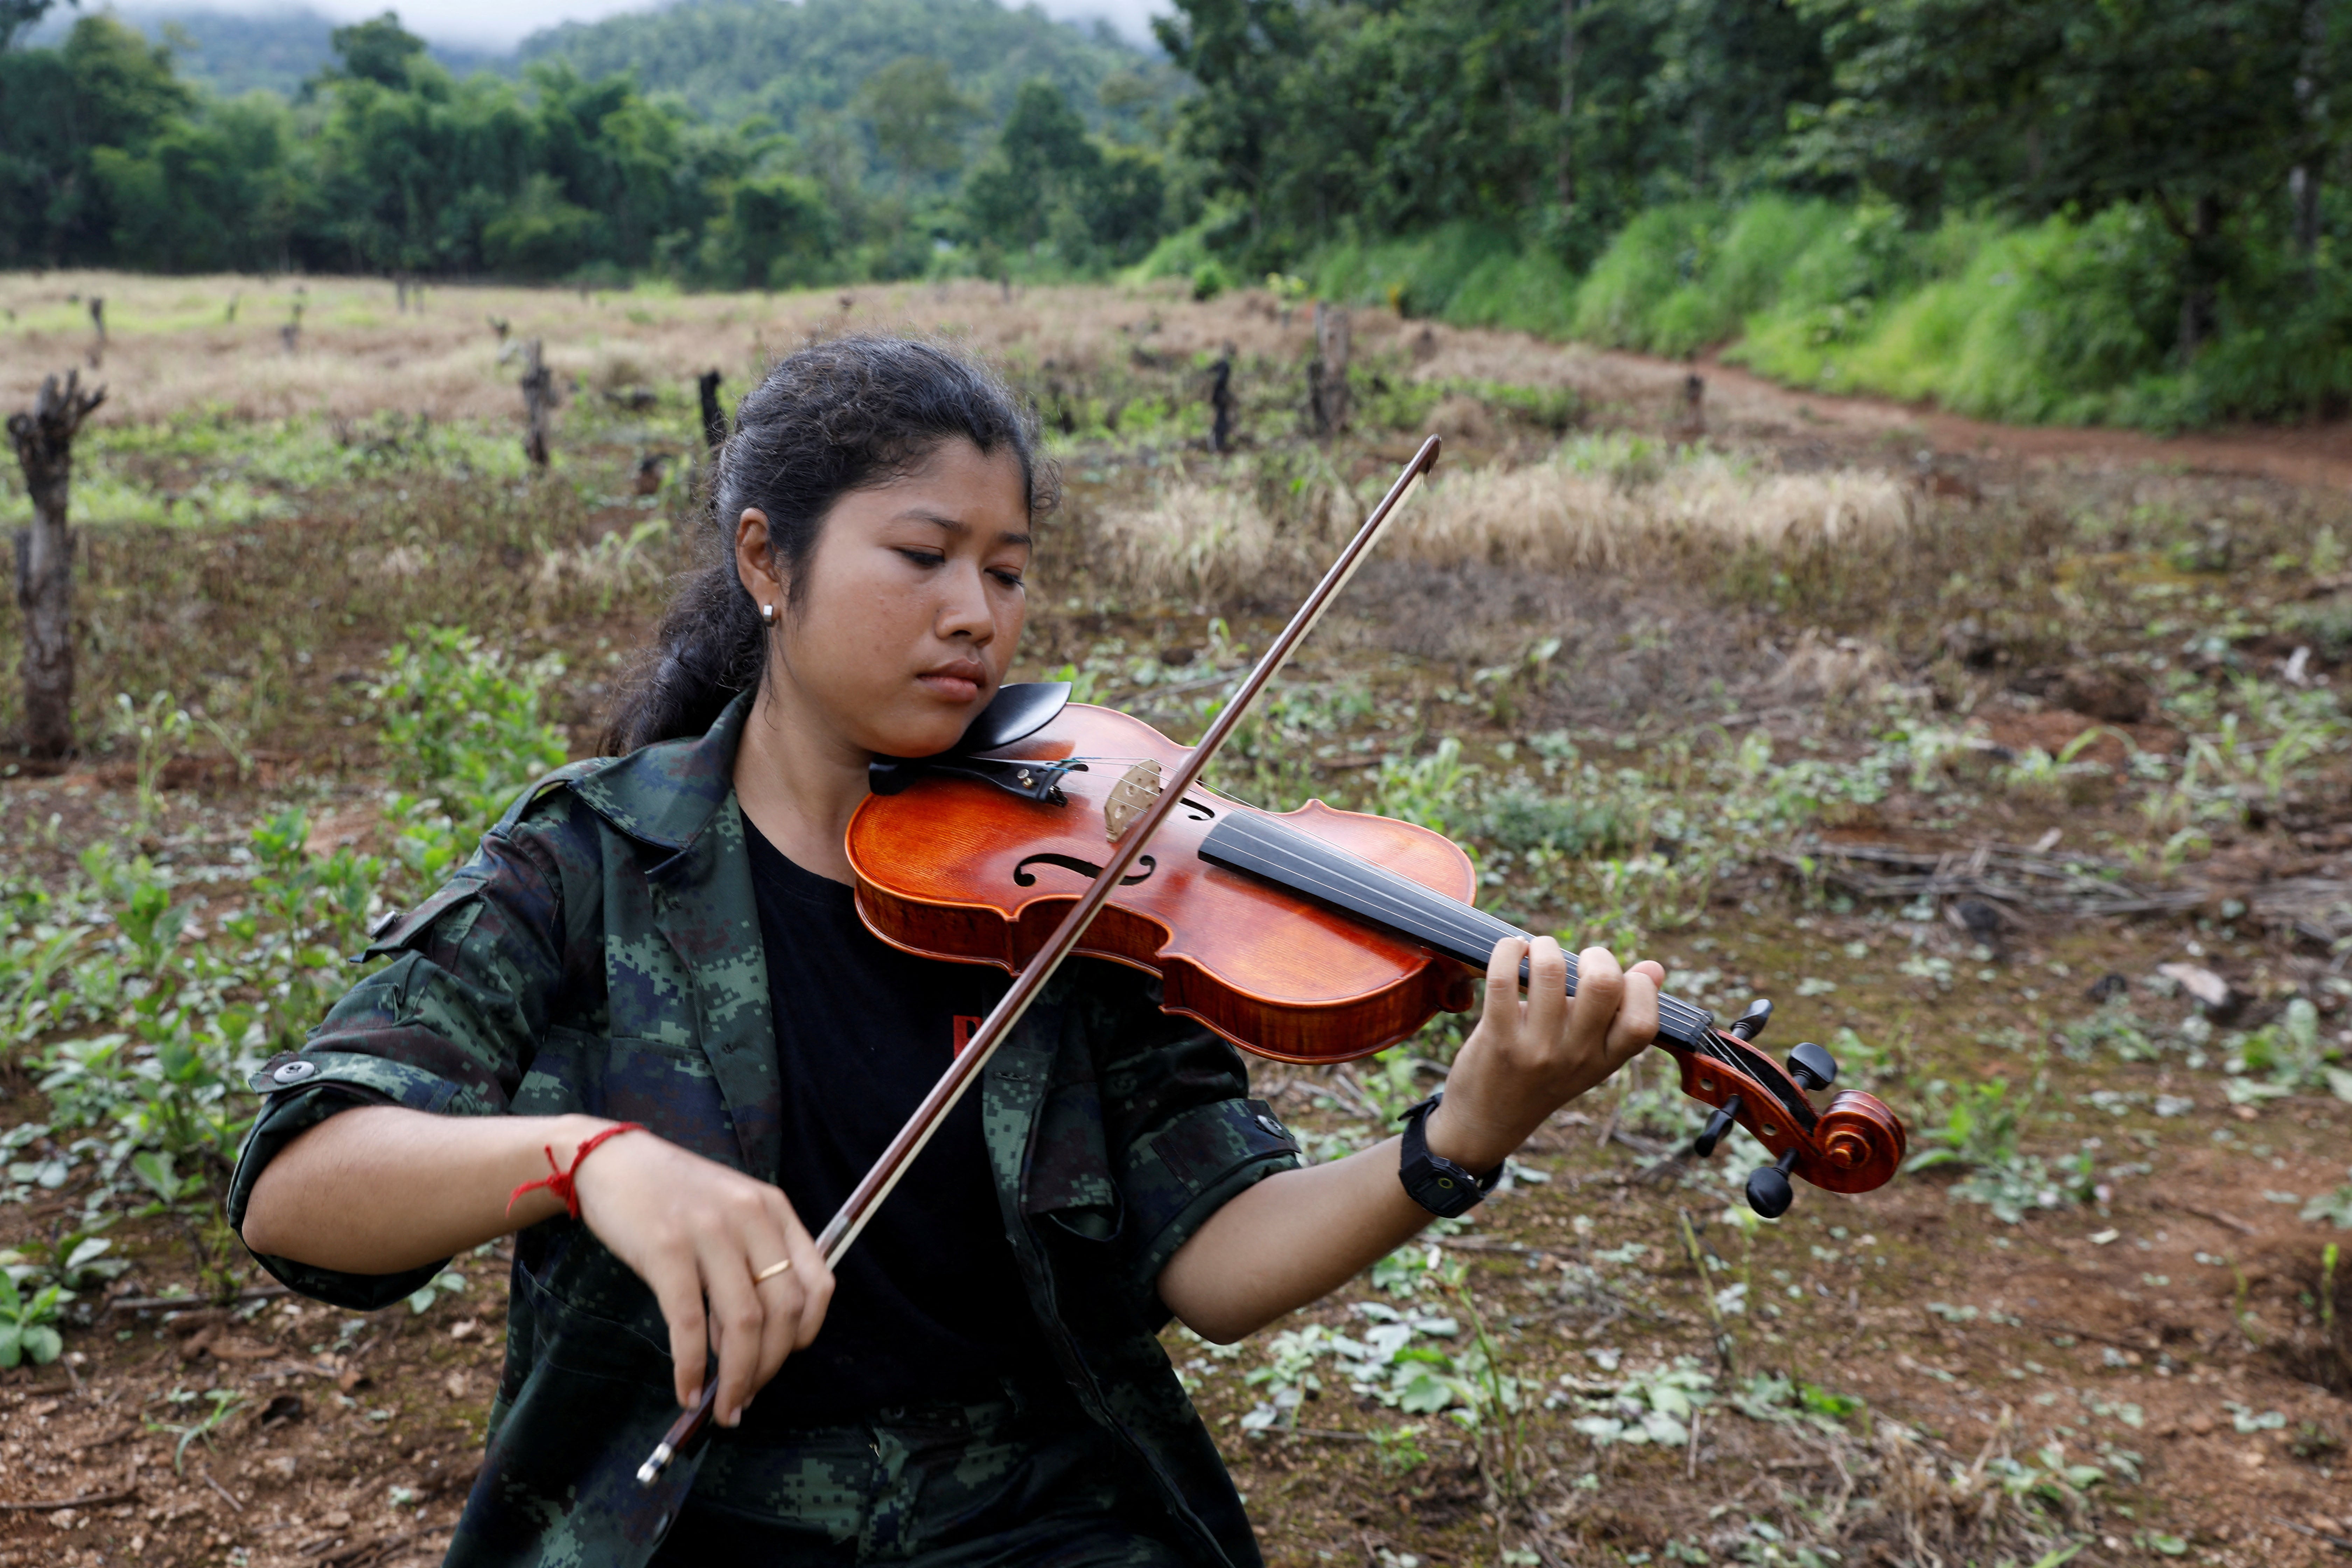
(1016, 711)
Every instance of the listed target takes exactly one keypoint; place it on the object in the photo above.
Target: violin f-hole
(1023, 877)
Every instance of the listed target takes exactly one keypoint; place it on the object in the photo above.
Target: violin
(1313, 935)
(1310, 936)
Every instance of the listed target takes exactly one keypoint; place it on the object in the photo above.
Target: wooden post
(1691, 425)
(1221, 403)
(1327, 377)
(537, 401)
(98, 320)
(44, 442)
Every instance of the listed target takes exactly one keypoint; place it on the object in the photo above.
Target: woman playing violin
(652, 981)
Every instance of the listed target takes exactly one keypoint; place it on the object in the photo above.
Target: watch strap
(1437, 1183)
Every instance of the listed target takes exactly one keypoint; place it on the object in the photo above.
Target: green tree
(380, 50)
(919, 117)
(1050, 189)
(19, 16)
(2199, 109)
(1363, 120)
(777, 231)
(105, 86)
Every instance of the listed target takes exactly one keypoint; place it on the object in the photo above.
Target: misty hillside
(231, 54)
(733, 57)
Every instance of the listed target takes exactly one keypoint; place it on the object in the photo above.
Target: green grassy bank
(2069, 321)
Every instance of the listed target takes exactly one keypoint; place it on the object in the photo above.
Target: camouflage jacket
(601, 953)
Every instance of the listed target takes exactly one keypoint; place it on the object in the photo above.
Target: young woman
(666, 938)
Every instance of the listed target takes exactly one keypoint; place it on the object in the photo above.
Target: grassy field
(1980, 768)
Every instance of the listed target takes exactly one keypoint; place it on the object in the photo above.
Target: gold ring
(771, 1271)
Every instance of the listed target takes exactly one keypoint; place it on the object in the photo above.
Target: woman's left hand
(1530, 1055)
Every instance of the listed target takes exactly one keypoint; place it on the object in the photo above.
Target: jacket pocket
(406, 933)
(1069, 1177)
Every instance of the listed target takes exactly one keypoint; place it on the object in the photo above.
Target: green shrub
(464, 726)
(1653, 257)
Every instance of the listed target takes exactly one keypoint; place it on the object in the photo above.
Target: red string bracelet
(560, 1181)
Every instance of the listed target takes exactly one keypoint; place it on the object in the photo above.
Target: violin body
(955, 869)
(1311, 936)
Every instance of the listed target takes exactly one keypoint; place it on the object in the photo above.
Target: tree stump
(1327, 377)
(44, 441)
(714, 419)
(1221, 403)
(538, 403)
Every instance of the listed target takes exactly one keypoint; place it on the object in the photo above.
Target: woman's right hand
(696, 1231)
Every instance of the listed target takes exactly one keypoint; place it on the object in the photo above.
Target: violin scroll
(1854, 1146)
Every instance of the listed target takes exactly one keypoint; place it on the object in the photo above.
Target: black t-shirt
(929, 1305)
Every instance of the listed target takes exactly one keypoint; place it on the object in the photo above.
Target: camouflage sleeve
(1183, 1133)
(447, 1027)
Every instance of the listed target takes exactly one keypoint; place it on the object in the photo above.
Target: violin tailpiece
(1130, 798)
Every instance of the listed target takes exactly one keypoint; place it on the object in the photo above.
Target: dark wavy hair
(849, 415)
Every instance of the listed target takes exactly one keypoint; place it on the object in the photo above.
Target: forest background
(2131, 211)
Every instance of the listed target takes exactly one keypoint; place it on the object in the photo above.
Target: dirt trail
(2315, 455)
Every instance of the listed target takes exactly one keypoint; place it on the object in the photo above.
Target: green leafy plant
(1648, 1405)
(225, 1402)
(2114, 1028)
(71, 1261)
(466, 722)
(2284, 1057)
(156, 731)
(1979, 1132)
(449, 1282)
(1396, 1448)
(26, 1324)
(2334, 1206)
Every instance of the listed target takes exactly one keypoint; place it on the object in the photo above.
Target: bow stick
(842, 1231)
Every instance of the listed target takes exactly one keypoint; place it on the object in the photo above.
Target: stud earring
(768, 615)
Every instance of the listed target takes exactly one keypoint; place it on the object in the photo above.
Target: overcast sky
(504, 23)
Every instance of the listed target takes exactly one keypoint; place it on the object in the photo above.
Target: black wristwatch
(1433, 1181)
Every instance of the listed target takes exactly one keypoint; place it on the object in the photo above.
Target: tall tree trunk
(1567, 172)
(2200, 279)
(44, 441)
(2303, 181)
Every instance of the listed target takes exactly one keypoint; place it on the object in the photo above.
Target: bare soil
(2133, 1325)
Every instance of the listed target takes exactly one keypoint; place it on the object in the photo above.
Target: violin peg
(1750, 1023)
(1717, 1126)
(1768, 1192)
(1813, 1067)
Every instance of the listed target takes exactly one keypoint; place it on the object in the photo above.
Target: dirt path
(2313, 455)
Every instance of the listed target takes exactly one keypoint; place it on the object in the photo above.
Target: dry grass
(1596, 502)
(173, 346)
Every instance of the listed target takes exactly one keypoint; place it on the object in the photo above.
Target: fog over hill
(728, 58)
(234, 51)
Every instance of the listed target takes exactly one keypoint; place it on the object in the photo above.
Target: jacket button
(292, 1072)
(1271, 1125)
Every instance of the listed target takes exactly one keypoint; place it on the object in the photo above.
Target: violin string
(1314, 861)
(1460, 920)
(1470, 926)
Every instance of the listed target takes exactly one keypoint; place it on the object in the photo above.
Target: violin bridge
(1131, 798)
